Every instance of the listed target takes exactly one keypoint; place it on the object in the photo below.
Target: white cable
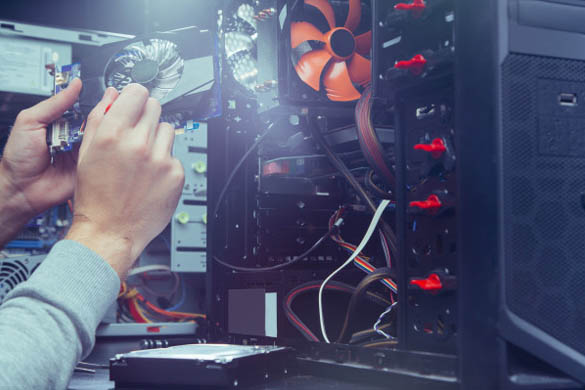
(377, 324)
(367, 236)
(149, 268)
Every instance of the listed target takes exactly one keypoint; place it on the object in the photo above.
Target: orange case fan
(341, 62)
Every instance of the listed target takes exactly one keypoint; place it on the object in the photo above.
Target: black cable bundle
(341, 167)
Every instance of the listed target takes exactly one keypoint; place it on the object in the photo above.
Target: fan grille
(11, 274)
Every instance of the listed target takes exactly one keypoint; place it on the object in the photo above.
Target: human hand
(25, 166)
(128, 184)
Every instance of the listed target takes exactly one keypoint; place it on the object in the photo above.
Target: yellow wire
(140, 312)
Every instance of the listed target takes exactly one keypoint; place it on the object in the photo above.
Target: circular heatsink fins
(155, 63)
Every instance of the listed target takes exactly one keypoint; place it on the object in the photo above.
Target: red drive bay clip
(431, 283)
(435, 282)
(432, 204)
(435, 148)
(416, 64)
(416, 5)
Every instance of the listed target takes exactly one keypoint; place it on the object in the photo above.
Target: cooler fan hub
(340, 43)
(145, 71)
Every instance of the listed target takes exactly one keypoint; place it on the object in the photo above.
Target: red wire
(300, 324)
(137, 317)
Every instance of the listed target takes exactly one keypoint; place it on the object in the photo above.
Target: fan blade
(303, 31)
(354, 16)
(338, 84)
(360, 70)
(311, 66)
(172, 69)
(363, 43)
(326, 10)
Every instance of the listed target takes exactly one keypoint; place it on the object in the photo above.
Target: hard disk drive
(208, 365)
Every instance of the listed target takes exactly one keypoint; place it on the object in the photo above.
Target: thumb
(53, 108)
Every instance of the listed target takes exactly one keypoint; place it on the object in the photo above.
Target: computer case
(509, 99)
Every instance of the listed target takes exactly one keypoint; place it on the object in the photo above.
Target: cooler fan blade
(172, 69)
(360, 70)
(354, 16)
(338, 84)
(311, 66)
(303, 31)
(326, 10)
(363, 43)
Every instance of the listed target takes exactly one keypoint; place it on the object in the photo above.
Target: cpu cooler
(329, 53)
(240, 37)
(177, 67)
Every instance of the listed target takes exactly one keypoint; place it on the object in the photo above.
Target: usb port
(568, 99)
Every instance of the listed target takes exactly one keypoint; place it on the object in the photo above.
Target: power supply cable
(368, 139)
(360, 290)
(377, 216)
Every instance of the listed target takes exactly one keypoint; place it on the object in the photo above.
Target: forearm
(115, 250)
(14, 213)
(48, 323)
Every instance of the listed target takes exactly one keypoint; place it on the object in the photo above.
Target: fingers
(126, 110)
(51, 109)
(163, 141)
(148, 123)
(96, 116)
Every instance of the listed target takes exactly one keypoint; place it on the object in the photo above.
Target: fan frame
(296, 92)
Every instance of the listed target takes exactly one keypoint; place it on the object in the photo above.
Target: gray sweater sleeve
(48, 323)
